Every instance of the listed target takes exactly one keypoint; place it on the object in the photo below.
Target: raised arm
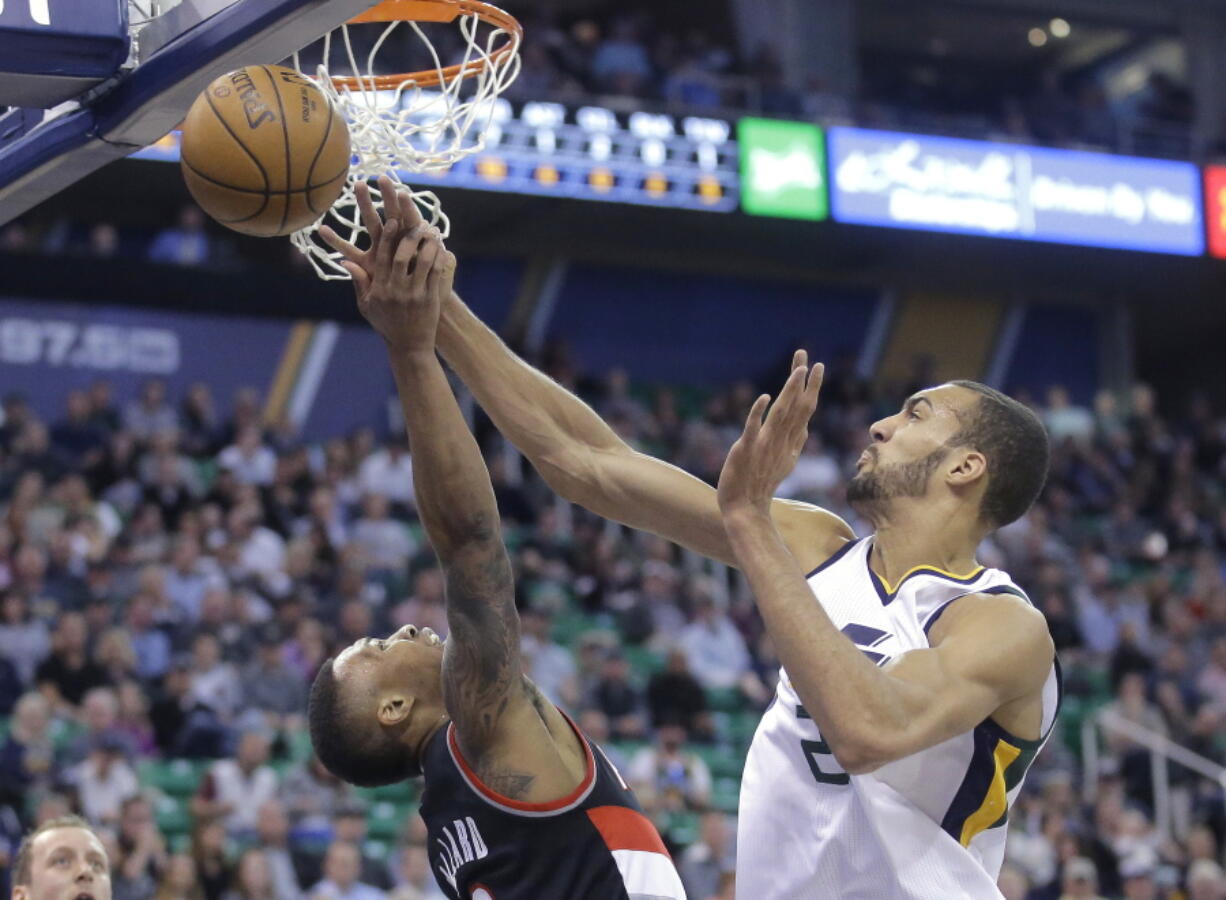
(481, 662)
(576, 452)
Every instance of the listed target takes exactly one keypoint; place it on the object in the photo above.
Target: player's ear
(394, 709)
(20, 892)
(965, 466)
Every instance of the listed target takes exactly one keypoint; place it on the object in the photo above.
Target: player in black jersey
(518, 803)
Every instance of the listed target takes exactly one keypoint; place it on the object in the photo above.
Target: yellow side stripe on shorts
(996, 801)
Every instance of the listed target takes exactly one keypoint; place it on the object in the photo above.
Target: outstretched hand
(401, 280)
(766, 452)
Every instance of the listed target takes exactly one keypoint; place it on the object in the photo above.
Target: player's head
(62, 859)
(962, 444)
(373, 705)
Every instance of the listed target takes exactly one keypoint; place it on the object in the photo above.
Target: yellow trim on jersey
(287, 370)
(893, 589)
(997, 799)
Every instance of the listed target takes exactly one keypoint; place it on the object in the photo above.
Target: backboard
(90, 81)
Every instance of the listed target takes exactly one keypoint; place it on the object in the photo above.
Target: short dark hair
(1015, 443)
(352, 750)
(23, 865)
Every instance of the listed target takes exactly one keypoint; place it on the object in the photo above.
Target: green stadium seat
(173, 815)
(728, 700)
(643, 662)
(377, 850)
(176, 777)
(681, 828)
(400, 792)
(726, 794)
(722, 761)
(386, 821)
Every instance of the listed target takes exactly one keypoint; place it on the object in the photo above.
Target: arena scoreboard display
(590, 153)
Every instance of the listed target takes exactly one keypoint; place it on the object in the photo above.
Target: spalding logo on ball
(264, 151)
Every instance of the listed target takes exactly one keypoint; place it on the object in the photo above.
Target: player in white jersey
(910, 756)
(914, 696)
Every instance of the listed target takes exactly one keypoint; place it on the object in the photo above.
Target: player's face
(408, 662)
(67, 864)
(908, 446)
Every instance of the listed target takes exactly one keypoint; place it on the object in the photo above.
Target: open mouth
(84, 895)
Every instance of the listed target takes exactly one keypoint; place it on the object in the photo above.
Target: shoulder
(812, 534)
(1000, 635)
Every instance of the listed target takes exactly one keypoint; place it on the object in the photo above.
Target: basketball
(264, 152)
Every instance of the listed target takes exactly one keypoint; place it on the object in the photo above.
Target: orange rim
(435, 11)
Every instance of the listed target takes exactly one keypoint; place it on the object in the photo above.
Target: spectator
(99, 715)
(24, 640)
(270, 686)
(181, 881)
(1080, 880)
(349, 827)
(142, 857)
(77, 437)
(705, 862)
(385, 544)
(150, 643)
(187, 244)
(151, 413)
(214, 683)
(667, 776)
(413, 876)
(619, 699)
(272, 839)
(210, 857)
(252, 878)
(313, 795)
(716, 650)
(68, 674)
(342, 865)
(234, 789)
(550, 665)
(621, 64)
(1206, 880)
(249, 458)
(674, 695)
(132, 722)
(389, 471)
(27, 756)
(104, 780)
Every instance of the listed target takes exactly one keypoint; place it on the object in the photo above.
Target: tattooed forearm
(481, 665)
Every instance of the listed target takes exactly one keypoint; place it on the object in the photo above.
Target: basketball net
(421, 122)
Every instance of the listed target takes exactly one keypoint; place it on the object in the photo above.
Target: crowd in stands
(171, 578)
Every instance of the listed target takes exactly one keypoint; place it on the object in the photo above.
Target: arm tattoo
(481, 664)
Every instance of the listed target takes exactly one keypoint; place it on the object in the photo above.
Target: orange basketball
(264, 151)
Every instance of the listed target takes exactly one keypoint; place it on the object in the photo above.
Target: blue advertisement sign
(1014, 191)
(325, 377)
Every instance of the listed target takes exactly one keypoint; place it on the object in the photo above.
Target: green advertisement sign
(783, 169)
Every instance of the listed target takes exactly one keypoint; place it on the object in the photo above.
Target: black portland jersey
(594, 844)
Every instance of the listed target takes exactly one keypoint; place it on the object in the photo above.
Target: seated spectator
(234, 789)
(550, 665)
(211, 858)
(349, 827)
(142, 858)
(181, 881)
(187, 578)
(132, 722)
(77, 437)
(24, 640)
(413, 876)
(252, 878)
(68, 674)
(150, 413)
(389, 471)
(342, 866)
(715, 649)
(674, 695)
(313, 795)
(667, 776)
(619, 699)
(272, 839)
(249, 458)
(214, 683)
(187, 244)
(621, 64)
(1080, 880)
(269, 685)
(705, 862)
(385, 544)
(27, 756)
(1065, 420)
(1206, 880)
(100, 716)
(104, 779)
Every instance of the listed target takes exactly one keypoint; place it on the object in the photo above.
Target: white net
(405, 126)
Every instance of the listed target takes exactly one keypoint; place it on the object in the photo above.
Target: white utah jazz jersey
(930, 826)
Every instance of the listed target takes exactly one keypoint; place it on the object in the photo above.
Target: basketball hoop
(413, 122)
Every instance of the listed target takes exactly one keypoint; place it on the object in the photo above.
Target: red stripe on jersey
(589, 776)
(626, 829)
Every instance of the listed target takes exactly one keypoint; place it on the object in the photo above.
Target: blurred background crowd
(170, 581)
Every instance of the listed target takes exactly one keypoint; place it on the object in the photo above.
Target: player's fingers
(753, 424)
(800, 359)
(409, 213)
(339, 244)
(400, 262)
(370, 216)
(383, 254)
(361, 281)
(814, 386)
(448, 277)
(426, 261)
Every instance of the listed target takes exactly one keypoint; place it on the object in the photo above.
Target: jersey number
(812, 750)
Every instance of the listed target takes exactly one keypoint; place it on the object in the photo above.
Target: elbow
(861, 754)
(572, 472)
